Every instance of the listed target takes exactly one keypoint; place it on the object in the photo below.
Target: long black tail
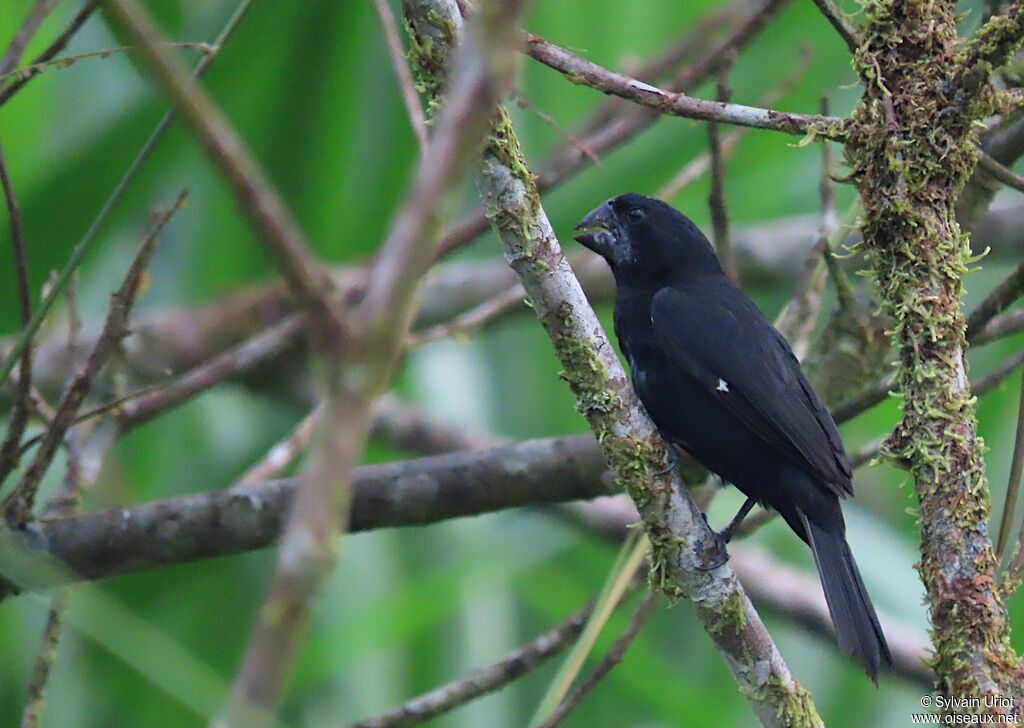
(852, 613)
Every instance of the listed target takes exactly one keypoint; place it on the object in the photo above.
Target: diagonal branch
(842, 26)
(55, 47)
(19, 412)
(36, 16)
(17, 505)
(629, 439)
(263, 205)
(581, 71)
(67, 273)
(484, 680)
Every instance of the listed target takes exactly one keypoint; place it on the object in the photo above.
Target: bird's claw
(673, 458)
(711, 552)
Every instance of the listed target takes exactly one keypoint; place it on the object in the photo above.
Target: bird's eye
(636, 214)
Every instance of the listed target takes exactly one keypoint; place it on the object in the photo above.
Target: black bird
(720, 382)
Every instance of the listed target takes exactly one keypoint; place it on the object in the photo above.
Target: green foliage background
(310, 88)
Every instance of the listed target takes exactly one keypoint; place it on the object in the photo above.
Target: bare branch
(581, 71)
(263, 205)
(835, 16)
(414, 492)
(58, 44)
(19, 412)
(1005, 175)
(716, 197)
(484, 680)
(233, 362)
(1013, 486)
(83, 245)
(405, 83)
(17, 505)
(611, 658)
(36, 16)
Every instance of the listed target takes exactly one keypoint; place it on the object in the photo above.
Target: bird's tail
(854, 617)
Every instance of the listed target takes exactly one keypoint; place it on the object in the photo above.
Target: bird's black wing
(713, 332)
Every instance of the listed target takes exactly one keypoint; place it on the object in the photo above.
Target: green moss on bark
(910, 149)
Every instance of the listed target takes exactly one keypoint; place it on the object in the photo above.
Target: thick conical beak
(596, 230)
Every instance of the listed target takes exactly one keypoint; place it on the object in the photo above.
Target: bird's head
(641, 237)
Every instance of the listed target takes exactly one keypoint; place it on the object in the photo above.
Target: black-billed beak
(598, 230)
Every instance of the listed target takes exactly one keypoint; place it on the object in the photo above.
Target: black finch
(721, 383)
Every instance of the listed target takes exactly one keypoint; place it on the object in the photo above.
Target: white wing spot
(722, 386)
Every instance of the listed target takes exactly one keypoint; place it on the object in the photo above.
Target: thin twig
(26, 72)
(20, 410)
(982, 386)
(1008, 291)
(702, 162)
(58, 44)
(357, 363)
(484, 680)
(402, 73)
(36, 16)
(1004, 324)
(1002, 173)
(17, 505)
(487, 312)
(263, 205)
(46, 656)
(237, 360)
(1013, 484)
(525, 103)
(97, 411)
(285, 452)
(83, 245)
(582, 71)
(611, 126)
(838, 20)
(716, 197)
(613, 657)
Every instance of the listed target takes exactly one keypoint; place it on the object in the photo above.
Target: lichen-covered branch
(581, 71)
(629, 439)
(911, 148)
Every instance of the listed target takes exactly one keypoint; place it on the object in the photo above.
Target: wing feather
(714, 333)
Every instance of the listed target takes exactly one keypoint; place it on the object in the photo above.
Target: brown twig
(26, 72)
(716, 197)
(264, 207)
(1008, 291)
(17, 506)
(1002, 173)
(835, 16)
(1004, 324)
(55, 47)
(36, 16)
(237, 360)
(524, 103)
(582, 71)
(701, 163)
(83, 245)
(405, 83)
(285, 452)
(20, 410)
(484, 680)
(357, 362)
(1013, 484)
(611, 658)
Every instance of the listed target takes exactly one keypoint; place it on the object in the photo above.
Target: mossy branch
(910, 149)
(630, 441)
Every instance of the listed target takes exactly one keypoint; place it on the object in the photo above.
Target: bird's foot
(673, 458)
(711, 552)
